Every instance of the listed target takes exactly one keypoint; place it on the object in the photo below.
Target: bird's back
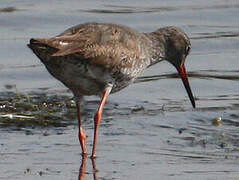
(115, 53)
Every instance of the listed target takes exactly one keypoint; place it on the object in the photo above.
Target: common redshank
(101, 58)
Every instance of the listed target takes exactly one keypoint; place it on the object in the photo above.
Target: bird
(103, 58)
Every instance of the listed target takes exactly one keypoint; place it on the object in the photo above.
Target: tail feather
(39, 43)
(41, 49)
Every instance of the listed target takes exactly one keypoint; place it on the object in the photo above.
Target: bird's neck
(158, 49)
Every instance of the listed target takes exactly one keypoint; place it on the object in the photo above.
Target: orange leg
(81, 133)
(98, 118)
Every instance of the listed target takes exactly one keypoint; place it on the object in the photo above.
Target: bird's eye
(188, 48)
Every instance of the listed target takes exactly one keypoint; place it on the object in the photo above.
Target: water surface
(149, 130)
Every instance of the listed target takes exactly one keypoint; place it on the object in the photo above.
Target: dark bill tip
(182, 73)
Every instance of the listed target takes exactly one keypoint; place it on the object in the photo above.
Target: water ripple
(136, 9)
(216, 35)
(201, 74)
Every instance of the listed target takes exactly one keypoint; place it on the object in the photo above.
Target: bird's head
(177, 47)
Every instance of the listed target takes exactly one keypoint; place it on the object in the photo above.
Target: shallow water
(149, 133)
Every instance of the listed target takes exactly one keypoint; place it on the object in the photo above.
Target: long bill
(182, 73)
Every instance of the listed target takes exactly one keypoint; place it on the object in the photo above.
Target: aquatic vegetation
(38, 109)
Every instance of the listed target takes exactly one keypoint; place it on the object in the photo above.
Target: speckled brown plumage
(101, 58)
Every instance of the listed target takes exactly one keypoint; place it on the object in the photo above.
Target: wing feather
(99, 43)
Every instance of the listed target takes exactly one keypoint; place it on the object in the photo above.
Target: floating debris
(222, 134)
(217, 121)
(223, 145)
(8, 9)
(11, 116)
(180, 131)
(137, 108)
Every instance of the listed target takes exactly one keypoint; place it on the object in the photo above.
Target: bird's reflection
(83, 172)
